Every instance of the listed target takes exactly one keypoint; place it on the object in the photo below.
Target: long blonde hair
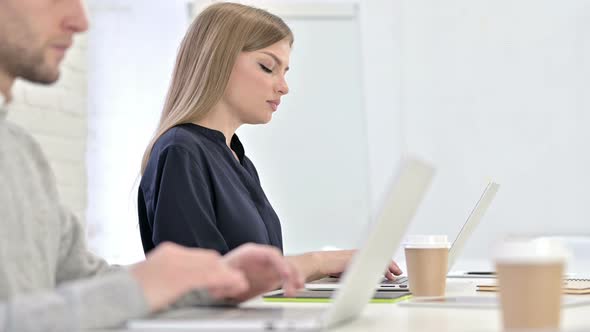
(206, 58)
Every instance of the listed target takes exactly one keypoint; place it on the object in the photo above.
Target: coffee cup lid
(537, 250)
(427, 241)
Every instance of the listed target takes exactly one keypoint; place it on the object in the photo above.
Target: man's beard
(27, 64)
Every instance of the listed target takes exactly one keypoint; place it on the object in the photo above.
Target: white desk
(393, 317)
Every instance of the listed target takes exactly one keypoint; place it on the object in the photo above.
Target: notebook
(570, 286)
(323, 296)
(358, 284)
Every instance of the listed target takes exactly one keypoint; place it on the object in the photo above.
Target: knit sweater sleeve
(89, 293)
(49, 281)
(75, 261)
(102, 301)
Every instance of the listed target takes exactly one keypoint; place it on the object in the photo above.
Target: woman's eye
(265, 68)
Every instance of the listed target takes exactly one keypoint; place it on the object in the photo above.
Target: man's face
(35, 34)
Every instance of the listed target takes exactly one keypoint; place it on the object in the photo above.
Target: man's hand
(265, 269)
(171, 271)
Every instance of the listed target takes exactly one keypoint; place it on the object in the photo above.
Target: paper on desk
(570, 286)
(480, 302)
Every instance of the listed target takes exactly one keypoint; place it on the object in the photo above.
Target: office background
(483, 89)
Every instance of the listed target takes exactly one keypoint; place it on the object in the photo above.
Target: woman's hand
(392, 271)
(319, 264)
(334, 263)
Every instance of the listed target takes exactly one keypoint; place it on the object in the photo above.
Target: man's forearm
(102, 301)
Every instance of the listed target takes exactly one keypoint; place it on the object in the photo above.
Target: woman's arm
(308, 265)
(319, 264)
(181, 203)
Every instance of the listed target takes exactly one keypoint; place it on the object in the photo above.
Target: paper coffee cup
(530, 273)
(427, 259)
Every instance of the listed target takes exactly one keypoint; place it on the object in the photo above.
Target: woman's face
(257, 83)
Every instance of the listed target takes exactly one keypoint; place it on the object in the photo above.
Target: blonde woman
(198, 188)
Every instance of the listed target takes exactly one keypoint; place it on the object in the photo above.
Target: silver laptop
(358, 284)
(401, 283)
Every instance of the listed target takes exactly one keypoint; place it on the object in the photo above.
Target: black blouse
(195, 193)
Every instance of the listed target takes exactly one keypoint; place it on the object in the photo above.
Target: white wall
(56, 115)
(483, 89)
(499, 89)
(133, 47)
(381, 37)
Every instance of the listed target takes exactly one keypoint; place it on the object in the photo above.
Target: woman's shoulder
(180, 137)
(177, 146)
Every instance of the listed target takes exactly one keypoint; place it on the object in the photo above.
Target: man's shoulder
(17, 132)
(22, 158)
(21, 141)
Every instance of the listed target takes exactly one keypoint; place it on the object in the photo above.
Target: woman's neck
(221, 120)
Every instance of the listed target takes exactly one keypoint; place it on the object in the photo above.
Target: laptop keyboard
(401, 282)
(241, 313)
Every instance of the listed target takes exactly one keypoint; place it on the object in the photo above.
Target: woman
(198, 188)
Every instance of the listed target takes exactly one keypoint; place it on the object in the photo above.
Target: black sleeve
(184, 211)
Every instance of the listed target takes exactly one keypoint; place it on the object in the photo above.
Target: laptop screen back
(472, 221)
(370, 262)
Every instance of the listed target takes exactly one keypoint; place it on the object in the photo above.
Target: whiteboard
(312, 157)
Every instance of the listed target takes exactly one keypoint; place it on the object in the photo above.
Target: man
(48, 279)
